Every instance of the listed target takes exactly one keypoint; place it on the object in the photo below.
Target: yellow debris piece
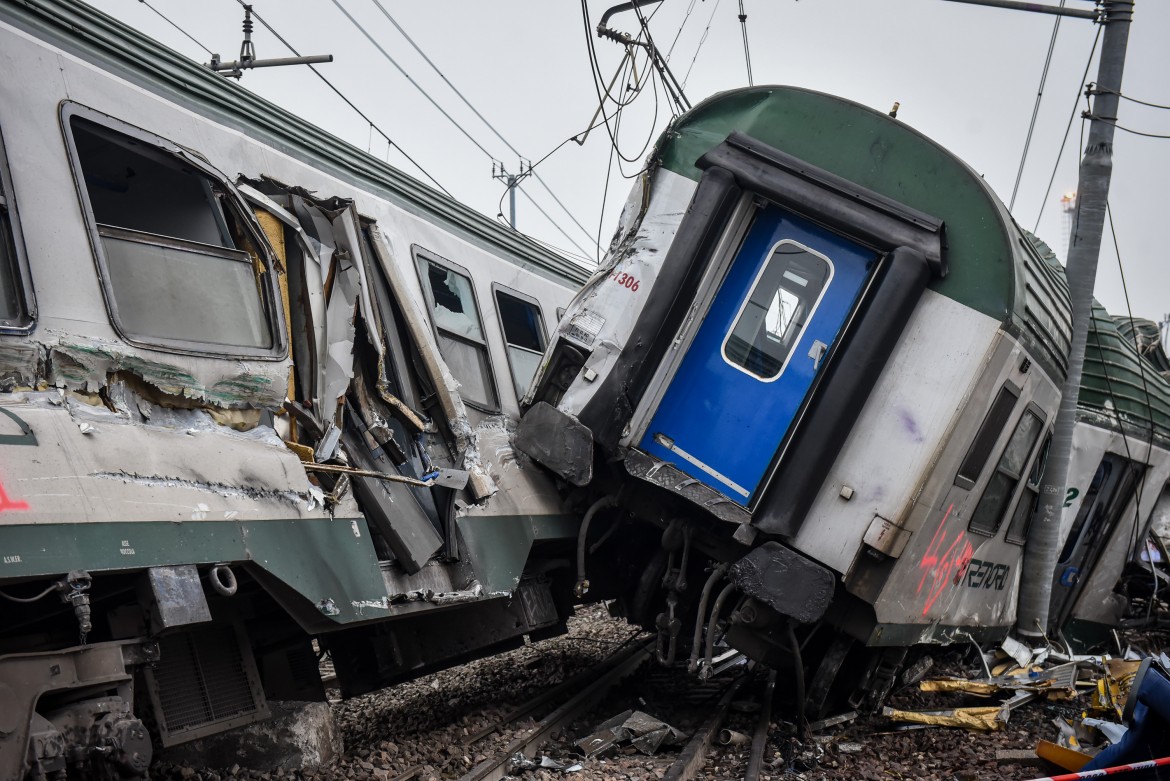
(958, 685)
(986, 719)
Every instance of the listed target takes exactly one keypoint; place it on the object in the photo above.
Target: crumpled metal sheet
(637, 728)
(988, 719)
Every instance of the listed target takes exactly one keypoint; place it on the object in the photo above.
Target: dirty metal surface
(786, 581)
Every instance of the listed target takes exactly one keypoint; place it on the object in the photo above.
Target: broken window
(14, 296)
(459, 331)
(1017, 531)
(1002, 485)
(523, 327)
(773, 316)
(980, 451)
(180, 262)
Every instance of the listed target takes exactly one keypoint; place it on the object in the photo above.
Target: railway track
(576, 701)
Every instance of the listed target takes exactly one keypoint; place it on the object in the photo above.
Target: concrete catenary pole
(1032, 616)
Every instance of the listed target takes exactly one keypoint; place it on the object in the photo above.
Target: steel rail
(760, 736)
(572, 684)
(499, 767)
(691, 760)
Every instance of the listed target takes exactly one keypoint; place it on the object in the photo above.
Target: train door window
(180, 256)
(15, 294)
(1103, 492)
(1017, 530)
(459, 330)
(1001, 487)
(523, 327)
(988, 434)
(772, 317)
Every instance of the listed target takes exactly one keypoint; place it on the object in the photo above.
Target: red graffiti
(8, 504)
(941, 566)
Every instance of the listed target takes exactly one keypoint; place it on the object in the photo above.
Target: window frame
(771, 253)
(497, 289)
(1021, 480)
(270, 299)
(423, 256)
(964, 481)
(22, 277)
(1030, 492)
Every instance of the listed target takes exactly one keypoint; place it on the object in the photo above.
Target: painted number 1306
(625, 280)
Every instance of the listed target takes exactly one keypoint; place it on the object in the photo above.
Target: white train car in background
(256, 389)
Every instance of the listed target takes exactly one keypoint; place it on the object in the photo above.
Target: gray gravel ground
(422, 726)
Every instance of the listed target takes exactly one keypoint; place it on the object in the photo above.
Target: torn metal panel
(390, 507)
(445, 384)
(340, 286)
(98, 464)
(85, 364)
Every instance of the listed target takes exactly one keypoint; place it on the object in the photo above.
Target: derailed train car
(1118, 492)
(256, 396)
(820, 360)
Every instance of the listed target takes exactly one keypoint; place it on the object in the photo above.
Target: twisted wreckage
(259, 399)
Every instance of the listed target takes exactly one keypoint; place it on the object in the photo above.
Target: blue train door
(782, 304)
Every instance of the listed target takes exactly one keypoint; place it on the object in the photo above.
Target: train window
(459, 331)
(772, 317)
(1017, 531)
(988, 434)
(181, 263)
(523, 327)
(14, 295)
(1002, 486)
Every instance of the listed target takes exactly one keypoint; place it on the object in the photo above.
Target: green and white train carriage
(257, 388)
(822, 353)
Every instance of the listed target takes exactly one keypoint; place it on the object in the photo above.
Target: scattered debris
(641, 730)
(832, 721)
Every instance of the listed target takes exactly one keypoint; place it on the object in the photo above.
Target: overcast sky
(965, 75)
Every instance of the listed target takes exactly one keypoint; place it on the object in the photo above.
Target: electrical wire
(550, 219)
(177, 27)
(348, 102)
(598, 79)
(358, 26)
(29, 600)
(747, 55)
(476, 111)
(1132, 100)
(1130, 130)
(702, 40)
(1071, 117)
(1035, 108)
(690, 8)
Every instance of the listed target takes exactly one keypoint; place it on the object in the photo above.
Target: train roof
(993, 268)
(1120, 387)
(127, 53)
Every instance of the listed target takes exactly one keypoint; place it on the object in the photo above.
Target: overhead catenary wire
(177, 27)
(1072, 115)
(1035, 108)
(347, 101)
(747, 54)
(385, 54)
(629, 60)
(686, 17)
(702, 40)
(481, 117)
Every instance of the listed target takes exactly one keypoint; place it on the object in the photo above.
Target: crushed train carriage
(822, 361)
(257, 393)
